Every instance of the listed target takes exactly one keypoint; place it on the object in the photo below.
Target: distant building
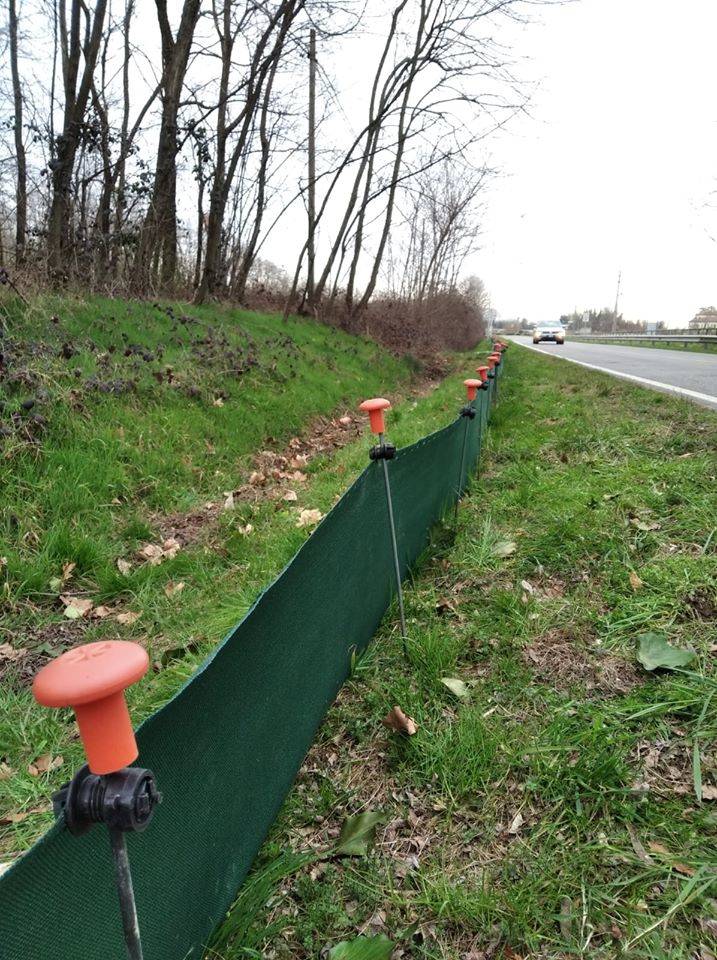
(704, 321)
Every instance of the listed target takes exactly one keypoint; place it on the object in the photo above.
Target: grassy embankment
(681, 347)
(142, 422)
(567, 805)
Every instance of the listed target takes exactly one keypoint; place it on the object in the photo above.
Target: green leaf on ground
(358, 834)
(656, 653)
(363, 948)
(456, 686)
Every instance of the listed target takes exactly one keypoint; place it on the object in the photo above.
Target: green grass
(105, 471)
(554, 813)
(690, 347)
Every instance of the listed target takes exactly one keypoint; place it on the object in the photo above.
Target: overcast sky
(613, 168)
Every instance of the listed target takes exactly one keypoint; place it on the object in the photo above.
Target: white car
(556, 333)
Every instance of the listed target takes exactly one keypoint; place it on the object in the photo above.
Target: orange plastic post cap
(495, 357)
(375, 408)
(483, 373)
(472, 388)
(492, 361)
(92, 679)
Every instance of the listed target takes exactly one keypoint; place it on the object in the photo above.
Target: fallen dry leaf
(245, 530)
(8, 652)
(102, 612)
(155, 553)
(218, 402)
(397, 720)
(6, 771)
(308, 518)
(256, 478)
(171, 547)
(516, 824)
(76, 607)
(173, 587)
(709, 793)
(229, 501)
(124, 566)
(44, 764)
(504, 548)
(19, 817)
(345, 421)
(635, 581)
(128, 618)
(290, 496)
(644, 525)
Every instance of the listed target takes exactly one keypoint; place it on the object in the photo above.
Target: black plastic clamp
(468, 411)
(124, 800)
(382, 451)
(485, 385)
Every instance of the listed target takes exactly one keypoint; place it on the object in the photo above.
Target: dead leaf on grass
(290, 496)
(516, 824)
(6, 771)
(44, 764)
(76, 607)
(128, 618)
(245, 530)
(400, 722)
(10, 653)
(155, 553)
(309, 518)
(644, 525)
(709, 793)
(124, 566)
(504, 548)
(229, 500)
(18, 817)
(172, 588)
(635, 581)
(102, 612)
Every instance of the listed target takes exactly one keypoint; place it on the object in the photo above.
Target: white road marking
(658, 384)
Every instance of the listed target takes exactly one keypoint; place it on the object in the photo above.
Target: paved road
(686, 373)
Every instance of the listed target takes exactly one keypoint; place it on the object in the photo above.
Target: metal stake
(128, 907)
(460, 473)
(394, 544)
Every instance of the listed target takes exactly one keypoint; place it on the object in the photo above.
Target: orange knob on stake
(375, 408)
(471, 388)
(92, 679)
(483, 373)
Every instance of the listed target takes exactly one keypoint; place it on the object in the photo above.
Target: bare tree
(157, 255)
(76, 96)
(20, 160)
(254, 88)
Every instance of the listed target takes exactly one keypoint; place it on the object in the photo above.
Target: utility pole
(617, 301)
(312, 171)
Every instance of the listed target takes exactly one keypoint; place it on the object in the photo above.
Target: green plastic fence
(227, 747)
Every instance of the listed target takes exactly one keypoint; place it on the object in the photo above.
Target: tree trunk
(63, 163)
(21, 166)
(158, 245)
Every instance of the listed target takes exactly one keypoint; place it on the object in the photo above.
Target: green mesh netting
(227, 747)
